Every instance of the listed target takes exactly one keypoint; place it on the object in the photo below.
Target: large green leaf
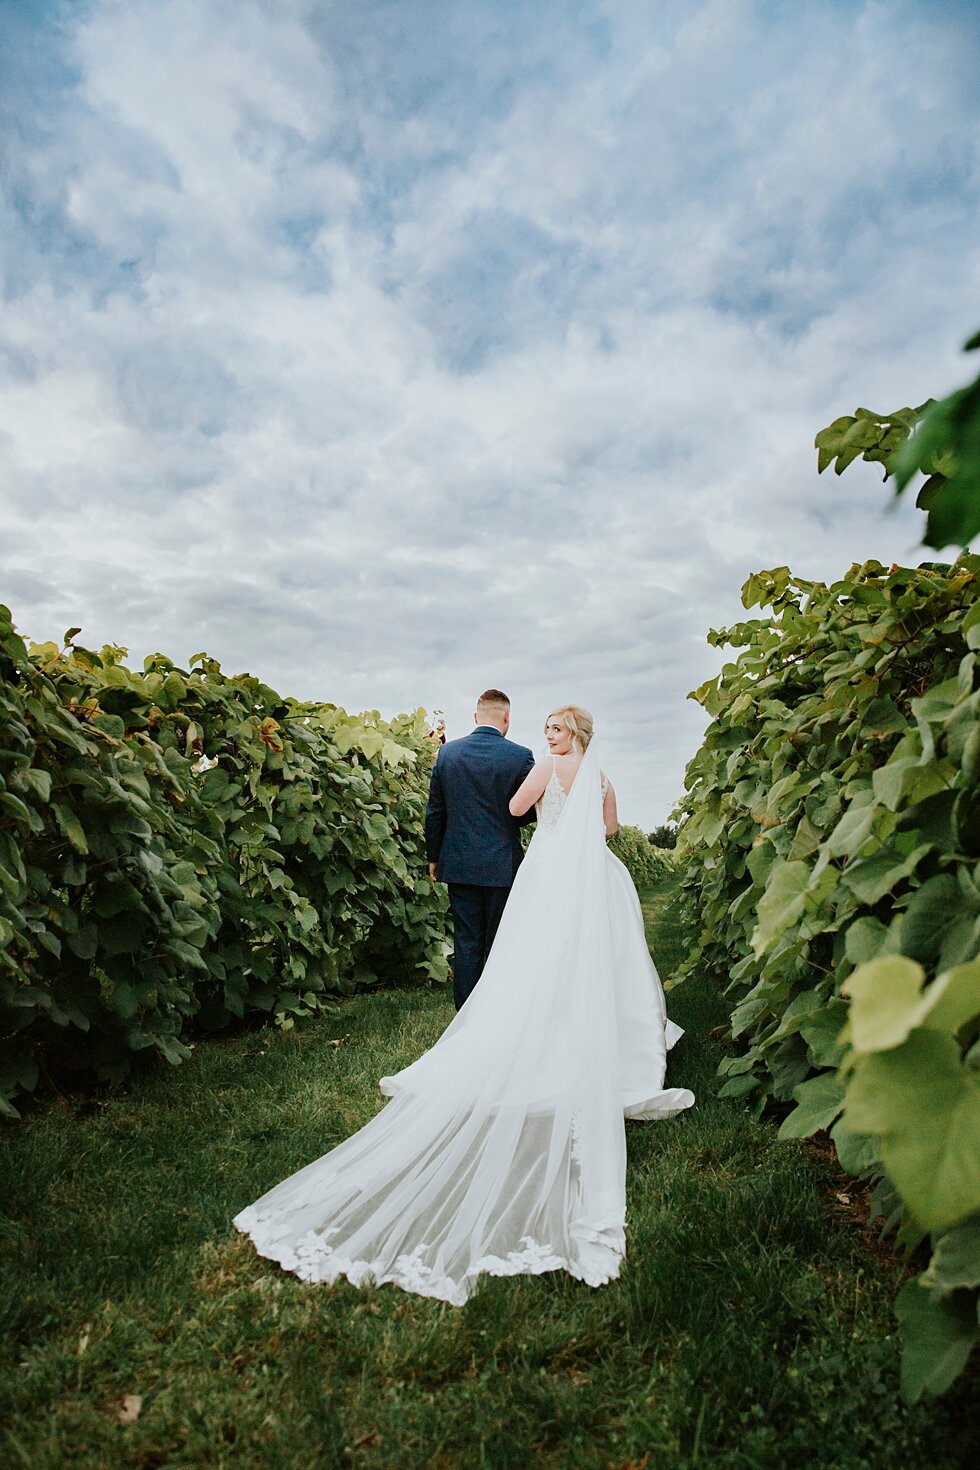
(925, 1105)
(883, 717)
(867, 937)
(857, 1152)
(853, 830)
(818, 1102)
(955, 1259)
(70, 826)
(937, 702)
(886, 1002)
(939, 1332)
(781, 904)
(905, 782)
(954, 997)
(932, 910)
(871, 878)
(821, 1030)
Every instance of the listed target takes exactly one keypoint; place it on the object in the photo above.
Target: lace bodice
(553, 799)
(550, 806)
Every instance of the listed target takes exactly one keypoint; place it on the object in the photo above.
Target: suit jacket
(468, 830)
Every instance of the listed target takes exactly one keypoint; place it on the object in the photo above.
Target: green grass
(750, 1327)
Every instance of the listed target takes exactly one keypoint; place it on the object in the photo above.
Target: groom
(472, 841)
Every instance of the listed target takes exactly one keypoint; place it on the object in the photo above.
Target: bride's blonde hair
(577, 721)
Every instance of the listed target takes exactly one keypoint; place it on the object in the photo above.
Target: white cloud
(389, 372)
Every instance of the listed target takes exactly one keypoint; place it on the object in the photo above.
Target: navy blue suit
(474, 840)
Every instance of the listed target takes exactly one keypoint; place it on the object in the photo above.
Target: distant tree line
(663, 837)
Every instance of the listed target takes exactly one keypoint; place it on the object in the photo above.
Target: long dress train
(503, 1149)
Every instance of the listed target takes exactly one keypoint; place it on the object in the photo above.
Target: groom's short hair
(493, 699)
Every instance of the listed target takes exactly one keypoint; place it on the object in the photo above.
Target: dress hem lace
(317, 1265)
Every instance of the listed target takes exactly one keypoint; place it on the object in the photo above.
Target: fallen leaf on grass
(130, 1409)
(368, 1441)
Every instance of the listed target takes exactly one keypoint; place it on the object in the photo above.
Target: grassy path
(749, 1327)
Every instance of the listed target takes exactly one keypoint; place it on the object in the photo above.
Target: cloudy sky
(389, 349)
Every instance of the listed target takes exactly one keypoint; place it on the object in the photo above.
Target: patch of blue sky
(36, 68)
(42, 113)
(173, 383)
(309, 270)
(41, 241)
(509, 281)
(458, 63)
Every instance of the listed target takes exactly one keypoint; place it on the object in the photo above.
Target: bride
(503, 1148)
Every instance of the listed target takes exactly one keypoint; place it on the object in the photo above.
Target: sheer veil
(502, 1149)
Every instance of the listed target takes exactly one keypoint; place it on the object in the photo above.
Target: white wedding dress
(503, 1148)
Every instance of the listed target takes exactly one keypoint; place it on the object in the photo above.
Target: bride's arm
(610, 815)
(531, 788)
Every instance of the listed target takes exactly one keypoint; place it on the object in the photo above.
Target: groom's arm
(435, 819)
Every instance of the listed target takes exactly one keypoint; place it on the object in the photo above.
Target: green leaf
(308, 918)
(746, 1014)
(781, 904)
(84, 942)
(954, 997)
(857, 1152)
(928, 916)
(882, 717)
(123, 1001)
(937, 702)
(867, 937)
(954, 514)
(806, 840)
(110, 725)
(819, 1101)
(886, 1002)
(15, 807)
(173, 1050)
(759, 862)
(38, 781)
(925, 1105)
(70, 826)
(904, 782)
(955, 1259)
(739, 1086)
(851, 832)
(966, 821)
(807, 1003)
(188, 954)
(172, 692)
(870, 878)
(821, 1031)
(938, 1335)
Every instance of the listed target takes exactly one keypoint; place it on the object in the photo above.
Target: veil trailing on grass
(503, 1150)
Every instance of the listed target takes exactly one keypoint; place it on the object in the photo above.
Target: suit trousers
(476, 915)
